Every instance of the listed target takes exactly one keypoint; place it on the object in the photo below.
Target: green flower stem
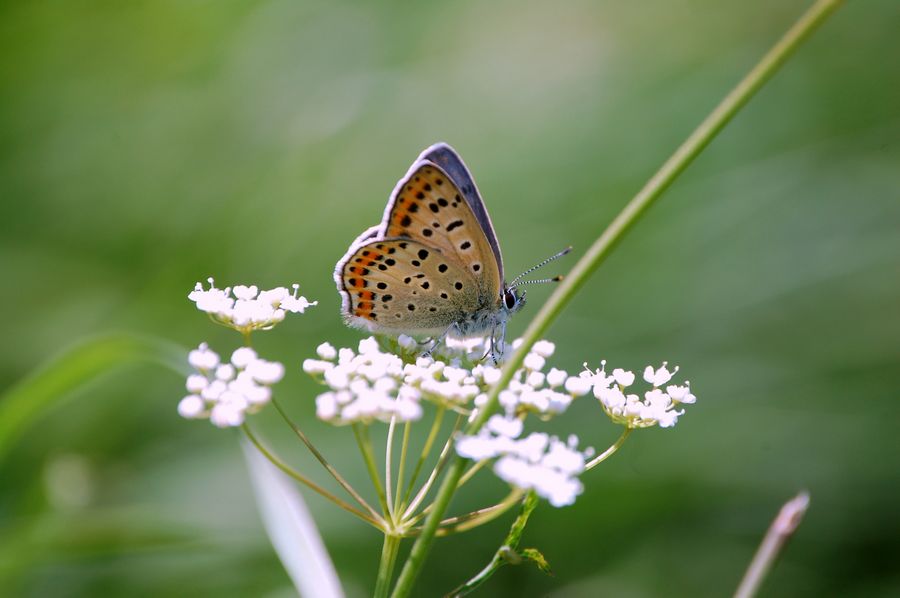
(378, 523)
(652, 190)
(609, 452)
(324, 462)
(386, 565)
(401, 470)
(388, 469)
(426, 450)
(510, 544)
(365, 446)
(461, 523)
(782, 528)
(438, 468)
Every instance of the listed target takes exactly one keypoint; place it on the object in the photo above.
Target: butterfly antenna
(538, 281)
(540, 265)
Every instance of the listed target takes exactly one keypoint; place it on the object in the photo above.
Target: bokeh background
(147, 145)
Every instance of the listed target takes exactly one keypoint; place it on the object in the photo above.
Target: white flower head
(537, 462)
(226, 393)
(657, 407)
(246, 308)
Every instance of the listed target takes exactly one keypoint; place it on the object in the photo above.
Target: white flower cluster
(366, 386)
(226, 392)
(246, 308)
(374, 385)
(531, 390)
(536, 462)
(657, 407)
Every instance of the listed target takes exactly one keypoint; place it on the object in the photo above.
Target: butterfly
(433, 266)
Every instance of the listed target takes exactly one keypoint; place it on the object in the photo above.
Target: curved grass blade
(52, 383)
(291, 529)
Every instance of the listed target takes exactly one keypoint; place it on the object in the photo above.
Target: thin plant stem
(324, 462)
(386, 565)
(609, 452)
(597, 253)
(290, 471)
(438, 468)
(365, 446)
(781, 530)
(388, 475)
(426, 450)
(461, 523)
(503, 554)
(401, 469)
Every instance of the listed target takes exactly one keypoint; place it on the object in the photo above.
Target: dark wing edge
(370, 234)
(446, 158)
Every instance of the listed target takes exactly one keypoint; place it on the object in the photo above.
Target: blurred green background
(147, 145)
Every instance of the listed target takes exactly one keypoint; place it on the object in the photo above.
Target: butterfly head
(513, 300)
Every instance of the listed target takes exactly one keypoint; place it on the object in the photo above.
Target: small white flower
(226, 415)
(203, 358)
(191, 407)
(578, 385)
(225, 372)
(316, 366)
(406, 341)
(623, 378)
(243, 357)
(533, 361)
(681, 394)
(510, 427)
(535, 379)
(659, 376)
(265, 372)
(296, 304)
(491, 375)
(326, 351)
(556, 377)
(196, 383)
(543, 348)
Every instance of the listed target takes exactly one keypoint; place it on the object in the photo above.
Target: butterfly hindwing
(427, 206)
(401, 285)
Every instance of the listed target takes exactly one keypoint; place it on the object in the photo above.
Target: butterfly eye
(510, 299)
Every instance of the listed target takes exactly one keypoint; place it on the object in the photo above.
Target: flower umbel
(226, 392)
(246, 308)
(536, 462)
(657, 407)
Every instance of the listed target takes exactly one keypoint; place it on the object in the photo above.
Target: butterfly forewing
(427, 206)
(401, 285)
(449, 161)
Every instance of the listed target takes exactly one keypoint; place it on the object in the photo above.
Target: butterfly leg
(435, 342)
(498, 345)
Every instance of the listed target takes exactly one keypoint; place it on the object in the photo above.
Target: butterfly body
(433, 266)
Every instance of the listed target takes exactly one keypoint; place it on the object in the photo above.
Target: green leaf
(53, 382)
